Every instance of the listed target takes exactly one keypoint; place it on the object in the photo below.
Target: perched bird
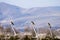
(32, 22)
(49, 25)
(12, 23)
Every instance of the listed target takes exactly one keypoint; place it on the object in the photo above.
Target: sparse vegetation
(4, 36)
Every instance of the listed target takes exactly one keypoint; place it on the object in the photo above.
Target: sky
(33, 3)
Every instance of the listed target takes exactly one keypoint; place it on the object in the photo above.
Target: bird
(32, 22)
(12, 23)
(49, 25)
